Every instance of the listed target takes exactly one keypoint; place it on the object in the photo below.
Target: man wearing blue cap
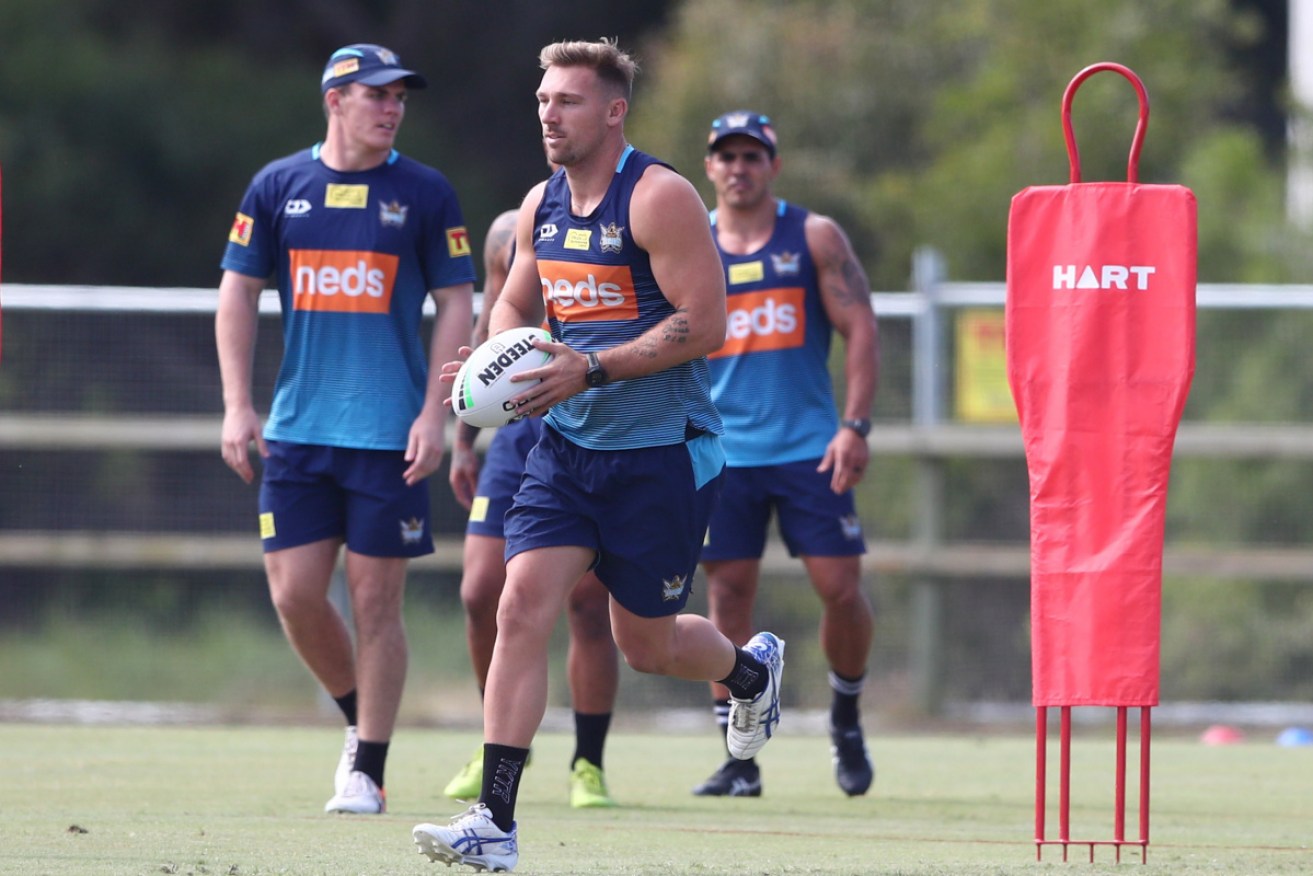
(792, 282)
(356, 236)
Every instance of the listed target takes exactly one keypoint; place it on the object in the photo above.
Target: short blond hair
(604, 56)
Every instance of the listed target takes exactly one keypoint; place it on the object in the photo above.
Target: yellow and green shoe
(588, 787)
(468, 783)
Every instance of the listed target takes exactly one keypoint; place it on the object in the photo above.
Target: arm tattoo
(675, 329)
(499, 242)
(646, 347)
(845, 282)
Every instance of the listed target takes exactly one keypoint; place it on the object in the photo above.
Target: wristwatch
(861, 427)
(596, 375)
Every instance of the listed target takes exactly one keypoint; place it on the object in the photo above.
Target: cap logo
(342, 68)
(388, 57)
(738, 120)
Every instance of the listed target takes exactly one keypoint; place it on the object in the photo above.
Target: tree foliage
(914, 123)
(130, 128)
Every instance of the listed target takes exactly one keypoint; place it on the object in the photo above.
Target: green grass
(246, 801)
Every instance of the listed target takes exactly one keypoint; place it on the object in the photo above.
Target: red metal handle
(1073, 154)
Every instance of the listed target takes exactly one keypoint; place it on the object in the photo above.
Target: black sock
(720, 708)
(843, 705)
(370, 759)
(502, 767)
(347, 703)
(590, 737)
(748, 678)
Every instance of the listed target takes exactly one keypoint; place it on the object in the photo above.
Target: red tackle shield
(1100, 328)
(1, 251)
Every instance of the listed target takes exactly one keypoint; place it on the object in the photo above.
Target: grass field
(246, 801)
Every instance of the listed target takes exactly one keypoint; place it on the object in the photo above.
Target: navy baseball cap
(749, 124)
(367, 64)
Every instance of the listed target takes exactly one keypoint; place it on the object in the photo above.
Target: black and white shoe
(852, 764)
(735, 778)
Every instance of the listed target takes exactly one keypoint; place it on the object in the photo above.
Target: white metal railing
(930, 438)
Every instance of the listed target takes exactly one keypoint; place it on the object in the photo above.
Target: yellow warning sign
(982, 391)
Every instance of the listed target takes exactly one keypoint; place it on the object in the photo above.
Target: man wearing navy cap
(356, 236)
(792, 282)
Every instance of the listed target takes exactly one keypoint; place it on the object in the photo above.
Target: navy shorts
(644, 512)
(310, 492)
(500, 476)
(814, 521)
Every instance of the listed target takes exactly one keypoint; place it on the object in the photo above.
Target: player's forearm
(235, 325)
(507, 314)
(861, 373)
(676, 339)
(451, 331)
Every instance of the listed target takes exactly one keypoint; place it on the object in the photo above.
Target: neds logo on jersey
(343, 281)
(588, 293)
(771, 319)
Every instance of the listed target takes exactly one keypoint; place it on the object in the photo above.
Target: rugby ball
(483, 389)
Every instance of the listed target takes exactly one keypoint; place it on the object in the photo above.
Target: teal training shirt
(600, 293)
(354, 256)
(771, 380)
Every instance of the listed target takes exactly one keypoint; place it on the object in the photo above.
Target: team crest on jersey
(786, 263)
(851, 526)
(240, 233)
(392, 215)
(611, 238)
(672, 588)
(412, 530)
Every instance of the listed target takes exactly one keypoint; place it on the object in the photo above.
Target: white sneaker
(360, 796)
(752, 722)
(471, 838)
(346, 761)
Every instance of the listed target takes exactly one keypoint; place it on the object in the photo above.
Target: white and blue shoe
(752, 722)
(359, 796)
(347, 762)
(472, 839)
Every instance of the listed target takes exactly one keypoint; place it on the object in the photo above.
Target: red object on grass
(1, 262)
(1100, 323)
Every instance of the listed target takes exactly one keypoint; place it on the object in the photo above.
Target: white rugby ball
(483, 389)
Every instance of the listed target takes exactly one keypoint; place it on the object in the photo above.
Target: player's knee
(294, 603)
(645, 662)
(480, 596)
(589, 622)
(646, 657)
(851, 610)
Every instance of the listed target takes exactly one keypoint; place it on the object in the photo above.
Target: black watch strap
(861, 427)
(596, 375)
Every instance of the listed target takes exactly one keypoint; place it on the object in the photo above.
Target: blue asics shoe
(752, 722)
(472, 839)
